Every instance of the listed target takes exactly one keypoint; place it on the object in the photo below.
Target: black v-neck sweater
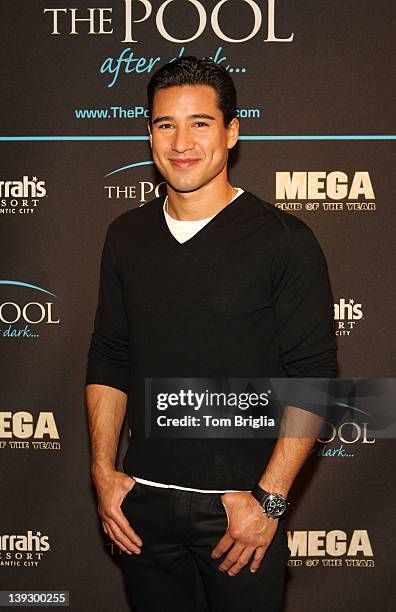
(247, 296)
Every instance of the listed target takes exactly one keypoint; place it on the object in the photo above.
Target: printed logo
(67, 21)
(23, 430)
(21, 197)
(325, 191)
(335, 548)
(23, 550)
(22, 318)
(217, 21)
(336, 441)
(140, 191)
(346, 313)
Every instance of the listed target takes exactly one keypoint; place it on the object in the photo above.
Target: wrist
(273, 503)
(277, 487)
(101, 470)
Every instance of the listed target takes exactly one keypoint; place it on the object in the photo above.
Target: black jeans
(175, 572)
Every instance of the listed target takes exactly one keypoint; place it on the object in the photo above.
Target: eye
(200, 123)
(163, 125)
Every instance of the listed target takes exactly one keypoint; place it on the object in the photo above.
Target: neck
(200, 204)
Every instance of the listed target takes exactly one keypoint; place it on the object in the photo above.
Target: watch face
(275, 505)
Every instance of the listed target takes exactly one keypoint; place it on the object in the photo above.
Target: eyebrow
(196, 116)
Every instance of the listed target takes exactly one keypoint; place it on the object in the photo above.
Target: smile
(183, 163)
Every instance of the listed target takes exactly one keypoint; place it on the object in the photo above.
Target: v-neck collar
(200, 234)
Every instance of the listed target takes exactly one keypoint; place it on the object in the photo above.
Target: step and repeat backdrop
(315, 102)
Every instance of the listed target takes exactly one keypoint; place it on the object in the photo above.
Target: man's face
(189, 141)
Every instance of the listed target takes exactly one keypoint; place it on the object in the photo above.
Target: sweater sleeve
(109, 352)
(303, 306)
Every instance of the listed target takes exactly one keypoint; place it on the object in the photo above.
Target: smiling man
(208, 282)
(190, 150)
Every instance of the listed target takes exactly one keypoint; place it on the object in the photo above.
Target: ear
(232, 133)
(150, 134)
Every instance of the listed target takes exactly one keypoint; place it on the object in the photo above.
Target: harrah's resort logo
(23, 430)
(23, 550)
(335, 548)
(139, 191)
(23, 318)
(22, 196)
(347, 312)
(325, 191)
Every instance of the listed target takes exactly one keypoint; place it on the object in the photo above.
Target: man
(208, 282)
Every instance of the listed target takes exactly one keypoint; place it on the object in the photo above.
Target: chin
(183, 188)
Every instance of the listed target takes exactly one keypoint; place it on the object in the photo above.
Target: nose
(182, 140)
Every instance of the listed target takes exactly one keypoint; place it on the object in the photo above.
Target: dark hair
(190, 70)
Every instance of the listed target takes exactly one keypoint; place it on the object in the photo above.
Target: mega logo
(356, 191)
(23, 425)
(346, 313)
(341, 548)
(21, 196)
(98, 21)
(24, 430)
(15, 314)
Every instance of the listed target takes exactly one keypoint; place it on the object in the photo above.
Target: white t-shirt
(184, 230)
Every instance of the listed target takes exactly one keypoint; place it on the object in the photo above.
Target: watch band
(263, 496)
(259, 493)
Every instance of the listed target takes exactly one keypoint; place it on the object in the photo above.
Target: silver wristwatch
(273, 504)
